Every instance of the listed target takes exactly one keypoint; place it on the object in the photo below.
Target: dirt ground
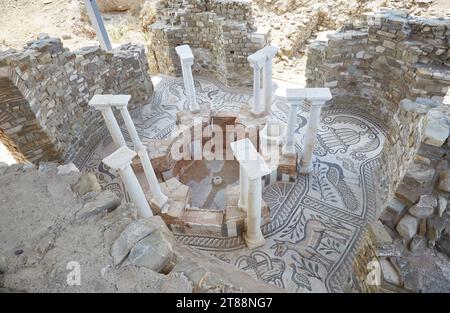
(23, 20)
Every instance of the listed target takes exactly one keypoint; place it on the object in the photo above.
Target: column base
(253, 243)
(162, 203)
(242, 207)
(194, 111)
(258, 114)
(288, 151)
(305, 168)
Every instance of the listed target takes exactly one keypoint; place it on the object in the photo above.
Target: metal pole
(97, 23)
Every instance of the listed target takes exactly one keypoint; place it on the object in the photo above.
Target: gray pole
(97, 23)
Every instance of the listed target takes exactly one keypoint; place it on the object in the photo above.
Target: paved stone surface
(317, 222)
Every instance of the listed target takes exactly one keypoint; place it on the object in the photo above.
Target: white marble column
(270, 52)
(159, 199)
(317, 98)
(243, 191)
(257, 105)
(254, 167)
(120, 160)
(289, 142)
(103, 104)
(187, 60)
(257, 61)
(253, 236)
(294, 97)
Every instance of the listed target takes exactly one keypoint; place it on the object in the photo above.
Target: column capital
(317, 95)
(101, 102)
(121, 101)
(185, 53)
(257, 59)
(120, 159)
(270, 51)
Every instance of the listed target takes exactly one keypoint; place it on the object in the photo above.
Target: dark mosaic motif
(316, 222)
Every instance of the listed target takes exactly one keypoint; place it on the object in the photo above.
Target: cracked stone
(133, 233)
(153, 252)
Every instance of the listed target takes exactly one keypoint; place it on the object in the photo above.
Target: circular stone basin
(217, 181)
(203, 178)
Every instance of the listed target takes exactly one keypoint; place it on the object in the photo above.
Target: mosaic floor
(316, 222)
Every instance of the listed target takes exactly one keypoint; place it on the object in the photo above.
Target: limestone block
(389, 272)
(442, 205)
(67, 168)
(435, 132)
(88, 183)
(418, 243)
(104, 202)
(378, 234)
(203, 222)
(153, 252)
(179, 196)
(421, 173)
(407, 227)
(133, 233)
(444, 181)
(435, 226)
(425, 207)
(408, 194)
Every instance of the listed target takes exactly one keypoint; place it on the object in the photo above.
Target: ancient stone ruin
(213, 175)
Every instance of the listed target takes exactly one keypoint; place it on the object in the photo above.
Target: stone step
(198, 221)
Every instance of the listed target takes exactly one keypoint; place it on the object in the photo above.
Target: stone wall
(54, 119)
(382, 59)
(221, 34)
(397, 67)
(20, 131)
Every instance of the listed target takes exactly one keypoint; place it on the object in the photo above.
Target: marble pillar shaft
(135, 191)
(257, 105)
(189, 85)
(268, 92)
(253, 235)
(113, 127)
(289, 145)
(310, 137)
(243, 193)
(158, 197)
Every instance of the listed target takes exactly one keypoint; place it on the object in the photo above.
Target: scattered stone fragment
(133, 233)
(389, 272)
(88, 183)
(153, 252)
(67, 168)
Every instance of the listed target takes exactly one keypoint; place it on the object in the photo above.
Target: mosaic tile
(316, 222)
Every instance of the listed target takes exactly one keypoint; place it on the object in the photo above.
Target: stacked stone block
(397, 67)
(56, 85)
(221, 34)
(387, 58)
